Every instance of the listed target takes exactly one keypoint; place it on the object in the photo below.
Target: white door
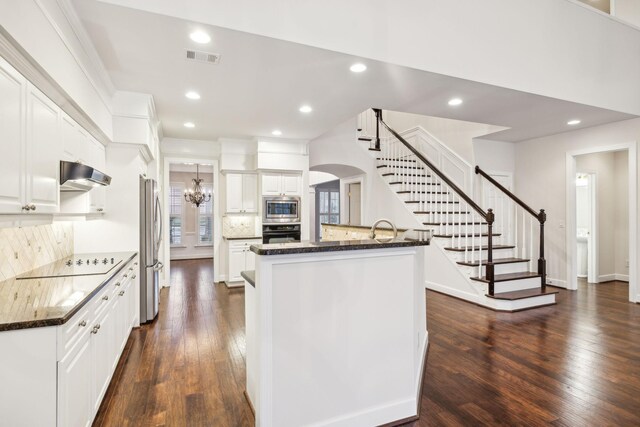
(271, 184)
(234, 192)
(249, 260)
(43, 152)
(75, 406)
(236, 263)
(250, 193)
(12, 191)
(102, 355)
(291, 184)
(355, 202)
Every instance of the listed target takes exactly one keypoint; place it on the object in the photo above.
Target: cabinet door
(234, 192)
(250, 193)
(271, 184)
(249, 260)
(44, 151)
(12, 111)
(291, 184)
(236, 263)
(75, 405)
(98, 195)
(102, 355)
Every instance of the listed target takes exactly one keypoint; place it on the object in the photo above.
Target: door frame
(593, 269)
(344, 190)
(216, 213)
(570, 213)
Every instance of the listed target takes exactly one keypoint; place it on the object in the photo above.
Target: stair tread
(403, 167)
(410, 183)
(446, 236)
(421, 192)
(475, 248)
(495, 261)
(407, 174)
(526, 293)
(457, 223)
(396, 160)
(508, 276)
(435, 201)
(447, 212)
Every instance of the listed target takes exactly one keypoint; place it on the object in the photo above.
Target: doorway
(354, 197)
(327, 205)
(586, 227)
(612, 214)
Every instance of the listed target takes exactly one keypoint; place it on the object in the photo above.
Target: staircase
(493, 256)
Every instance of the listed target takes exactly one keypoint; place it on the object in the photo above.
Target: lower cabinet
(85, 371)
(240, 259)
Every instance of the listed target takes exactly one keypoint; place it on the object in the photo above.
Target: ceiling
(261, 82)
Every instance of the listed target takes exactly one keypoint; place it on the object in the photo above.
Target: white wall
(628, 11)
(455, 134)
(339, 146)
(503, 43)
(621, 214)
(540, 172)
(495, 156)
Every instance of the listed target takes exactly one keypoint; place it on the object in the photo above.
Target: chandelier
(196, 195)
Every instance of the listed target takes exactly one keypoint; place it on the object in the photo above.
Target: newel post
(489, 270)
(542, 263)
(378, 113)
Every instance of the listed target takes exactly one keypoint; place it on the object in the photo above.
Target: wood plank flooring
(573, 364)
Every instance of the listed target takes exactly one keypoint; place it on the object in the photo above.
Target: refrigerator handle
(159, 212)
(159, 266)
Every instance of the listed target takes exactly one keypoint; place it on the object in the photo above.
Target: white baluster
(530, 243)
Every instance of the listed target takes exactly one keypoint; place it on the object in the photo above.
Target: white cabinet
(12, 113)
(281, 184)
(30, 146)
(242, 193)
(240, 259)
(75, 403)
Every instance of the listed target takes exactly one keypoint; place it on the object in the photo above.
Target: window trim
(199, 243)
(180, 185)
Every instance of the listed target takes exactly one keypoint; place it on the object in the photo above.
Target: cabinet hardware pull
(121, 293)
(133, 277)
(135, 263)
(99, 209)
(117, 283)
(125, 275)
(106, 297)
(26, 208)
(32, 207)
(83, 323)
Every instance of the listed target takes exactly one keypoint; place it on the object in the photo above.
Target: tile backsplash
(24, 248)
(240, 226)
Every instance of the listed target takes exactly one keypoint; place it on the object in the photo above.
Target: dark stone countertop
(410, 238)
(34, 303)
(243, 238)
(364, 227)
(249, 276)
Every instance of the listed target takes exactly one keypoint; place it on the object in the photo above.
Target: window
(329, 206)
(205, 218)
(176, 198)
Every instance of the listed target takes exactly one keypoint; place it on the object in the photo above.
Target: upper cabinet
(242, 193)
(35, 134)
(281, 184)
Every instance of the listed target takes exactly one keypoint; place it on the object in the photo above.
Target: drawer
(103, 300)
(72, 331)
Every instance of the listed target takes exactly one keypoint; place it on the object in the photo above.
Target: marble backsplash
(24, 248)
(240, 226)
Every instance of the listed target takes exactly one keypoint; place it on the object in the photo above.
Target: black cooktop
(80, 265)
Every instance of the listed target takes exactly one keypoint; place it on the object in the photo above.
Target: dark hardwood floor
(573, 364)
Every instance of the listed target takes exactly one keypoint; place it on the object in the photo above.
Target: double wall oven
(280, 219)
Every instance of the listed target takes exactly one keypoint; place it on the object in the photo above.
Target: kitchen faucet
(372, 235)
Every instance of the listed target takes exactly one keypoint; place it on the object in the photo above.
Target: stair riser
(516, 285)
(462, 229)
(468, 241)
(497, 253)
(422, 197)
(516, 267)
(414, 184)
(444, 217)
(410, 168)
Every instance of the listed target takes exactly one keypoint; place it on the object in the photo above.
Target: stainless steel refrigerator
(150, 238)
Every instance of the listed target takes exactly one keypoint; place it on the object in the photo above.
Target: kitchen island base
(336, 338)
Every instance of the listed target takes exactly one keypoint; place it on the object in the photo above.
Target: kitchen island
(336, 332)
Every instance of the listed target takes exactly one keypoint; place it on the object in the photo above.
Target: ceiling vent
(206, 57)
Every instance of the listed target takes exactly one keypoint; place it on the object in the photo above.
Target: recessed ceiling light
(455, 101)
(276, 132)
(189, 125)
(573, 122)
(192, 95)
(358, 68)
(306, 109)
(200, 37)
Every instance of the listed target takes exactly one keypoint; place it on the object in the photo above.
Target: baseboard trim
(466, 296)
(622, 277)
(557, 283)
(606, 278)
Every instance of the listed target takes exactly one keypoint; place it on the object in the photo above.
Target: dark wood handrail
(512, 196)
(487, 217)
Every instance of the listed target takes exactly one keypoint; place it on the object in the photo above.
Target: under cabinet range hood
(79, 177)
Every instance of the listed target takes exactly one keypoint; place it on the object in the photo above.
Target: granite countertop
(364, 227)
(242, 237)
(249, 276)
(34, 303)
(410, 238)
